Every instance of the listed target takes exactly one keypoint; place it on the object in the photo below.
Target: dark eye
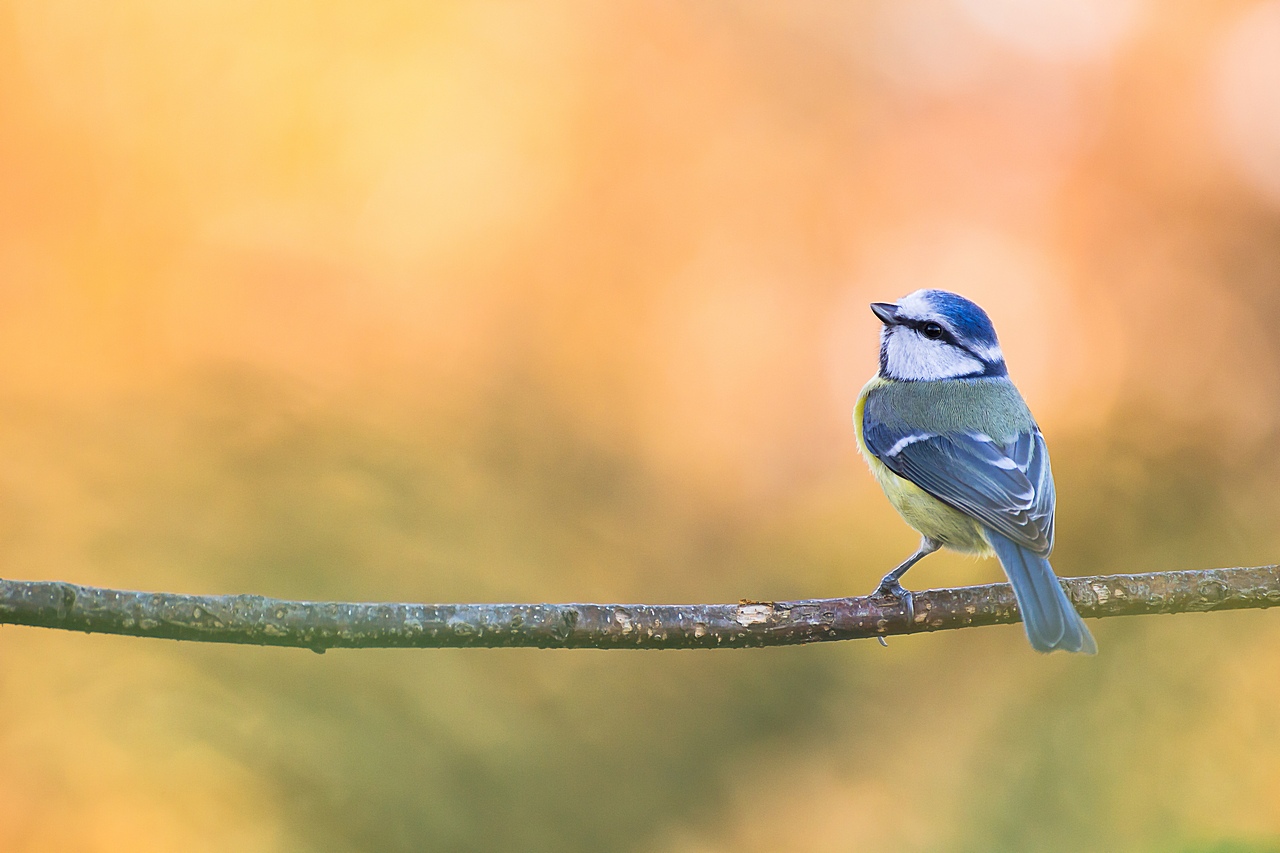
(931, 330)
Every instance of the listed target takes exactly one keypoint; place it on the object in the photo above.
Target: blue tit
(954, 447)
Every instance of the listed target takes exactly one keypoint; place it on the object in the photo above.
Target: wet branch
(256, 620)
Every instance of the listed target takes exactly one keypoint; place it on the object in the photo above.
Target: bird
(959, 456)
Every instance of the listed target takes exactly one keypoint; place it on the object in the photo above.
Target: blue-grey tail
(1050, 619)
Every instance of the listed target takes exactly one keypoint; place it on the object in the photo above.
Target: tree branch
(260, 621)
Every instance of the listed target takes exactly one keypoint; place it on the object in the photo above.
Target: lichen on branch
(261, 621)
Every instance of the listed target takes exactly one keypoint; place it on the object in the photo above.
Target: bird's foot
(890, 590)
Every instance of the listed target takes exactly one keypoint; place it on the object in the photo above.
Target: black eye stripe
(946, 336)
(989, 368)
(924, 327)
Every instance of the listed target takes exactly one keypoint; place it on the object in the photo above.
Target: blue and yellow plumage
(955, 449)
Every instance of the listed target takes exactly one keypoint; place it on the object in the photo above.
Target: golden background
(567, 301)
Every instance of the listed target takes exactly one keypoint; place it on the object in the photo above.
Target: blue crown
(966, 317)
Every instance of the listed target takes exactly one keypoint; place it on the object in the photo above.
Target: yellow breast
(931, 517)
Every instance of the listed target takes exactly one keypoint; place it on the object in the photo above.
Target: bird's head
(935, 334)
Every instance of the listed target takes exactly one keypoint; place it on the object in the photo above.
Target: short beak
(886, 311)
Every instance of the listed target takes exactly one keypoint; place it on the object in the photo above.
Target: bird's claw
(891, 589)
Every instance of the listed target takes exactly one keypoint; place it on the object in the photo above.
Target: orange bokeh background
(568, 301)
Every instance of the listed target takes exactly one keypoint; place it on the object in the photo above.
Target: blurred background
(567, 301)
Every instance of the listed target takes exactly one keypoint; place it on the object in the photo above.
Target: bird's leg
(889, 586)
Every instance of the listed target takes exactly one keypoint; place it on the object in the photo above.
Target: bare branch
(256, 620)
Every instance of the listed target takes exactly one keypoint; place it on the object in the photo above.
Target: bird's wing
(1007, 486)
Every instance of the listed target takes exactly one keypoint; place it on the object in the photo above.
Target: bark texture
(256, 620)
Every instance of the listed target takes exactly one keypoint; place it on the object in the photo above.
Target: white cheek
(912, 357)
(991, 354)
